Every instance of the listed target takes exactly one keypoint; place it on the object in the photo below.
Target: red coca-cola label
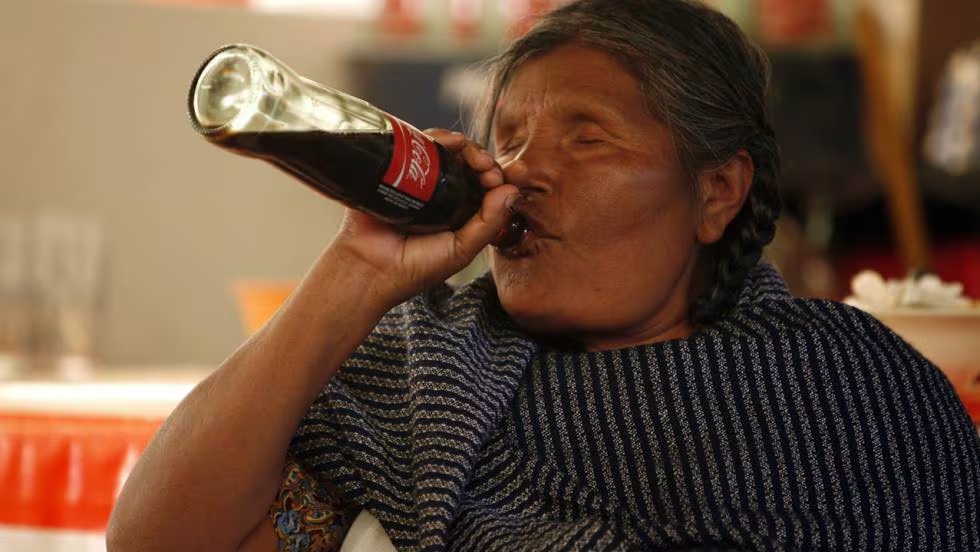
(414, 167)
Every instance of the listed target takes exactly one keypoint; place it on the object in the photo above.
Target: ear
(721, 194)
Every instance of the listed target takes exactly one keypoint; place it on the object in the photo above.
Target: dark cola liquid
(349, 167)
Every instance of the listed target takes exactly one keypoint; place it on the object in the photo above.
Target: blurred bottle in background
(51, 295)
(14, 296)
(68, 290)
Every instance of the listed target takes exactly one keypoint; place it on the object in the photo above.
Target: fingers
(485, 226)
(472, 153)
(451, 140)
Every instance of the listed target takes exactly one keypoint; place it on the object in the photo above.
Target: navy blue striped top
(790, 425)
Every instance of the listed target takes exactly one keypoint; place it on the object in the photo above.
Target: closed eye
(590, 139)
(589, 133)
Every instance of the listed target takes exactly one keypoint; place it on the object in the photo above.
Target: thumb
(486, 225)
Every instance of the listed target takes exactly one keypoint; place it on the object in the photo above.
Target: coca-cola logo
(414, 165)
(420, 164)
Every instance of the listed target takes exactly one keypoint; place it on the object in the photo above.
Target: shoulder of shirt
(788, 314)
(838, 329)
(766, 310)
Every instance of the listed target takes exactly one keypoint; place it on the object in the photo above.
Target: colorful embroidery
(309, 515)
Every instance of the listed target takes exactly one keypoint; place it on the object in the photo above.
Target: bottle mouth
(223, 90)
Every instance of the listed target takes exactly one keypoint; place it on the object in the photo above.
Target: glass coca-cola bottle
(245, 100)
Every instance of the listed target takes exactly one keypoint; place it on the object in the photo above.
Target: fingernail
(511, 200)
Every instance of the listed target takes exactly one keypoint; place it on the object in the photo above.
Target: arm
(218, 458)
(208, 477)
(263, 538)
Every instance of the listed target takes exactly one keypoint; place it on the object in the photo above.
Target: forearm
(212, 470)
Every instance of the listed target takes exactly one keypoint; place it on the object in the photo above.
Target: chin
(532, 312)
(537, 304)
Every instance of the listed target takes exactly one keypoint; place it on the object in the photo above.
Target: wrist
(367, 287)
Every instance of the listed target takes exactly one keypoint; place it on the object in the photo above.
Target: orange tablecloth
(67, 448)
(65, 471)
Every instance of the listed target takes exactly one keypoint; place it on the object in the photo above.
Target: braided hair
(706, 81)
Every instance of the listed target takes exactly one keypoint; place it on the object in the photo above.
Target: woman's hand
(403, 265)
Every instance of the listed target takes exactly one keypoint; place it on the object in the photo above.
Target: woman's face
(610, 257)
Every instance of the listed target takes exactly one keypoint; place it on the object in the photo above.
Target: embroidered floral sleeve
(308, 514)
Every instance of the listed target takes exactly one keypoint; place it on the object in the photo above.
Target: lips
(534, 232)
(519, 249)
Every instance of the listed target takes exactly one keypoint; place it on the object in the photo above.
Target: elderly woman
(629, 376)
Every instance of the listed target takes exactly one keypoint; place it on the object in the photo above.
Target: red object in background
(527, 14)
(793, 21)
(465, 16)
(967, 386)
(64, 472)
(401, 18)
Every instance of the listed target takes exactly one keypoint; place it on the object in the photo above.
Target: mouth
(520, 248)
(528, 239)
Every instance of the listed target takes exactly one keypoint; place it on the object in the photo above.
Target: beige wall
(92, 103)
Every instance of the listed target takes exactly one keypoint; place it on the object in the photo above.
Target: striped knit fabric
(791, 425)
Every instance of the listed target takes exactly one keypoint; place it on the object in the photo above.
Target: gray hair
(705, 80)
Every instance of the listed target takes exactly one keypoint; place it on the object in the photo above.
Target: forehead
(572, 75)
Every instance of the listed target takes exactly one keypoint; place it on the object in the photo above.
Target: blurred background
(130, 245)
(94, 94)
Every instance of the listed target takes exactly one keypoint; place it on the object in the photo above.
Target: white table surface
(17, 539)
(141, 392)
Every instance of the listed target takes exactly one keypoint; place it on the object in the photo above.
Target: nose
(532, 169)
(516, 173)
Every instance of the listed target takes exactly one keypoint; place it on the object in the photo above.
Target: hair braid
(737, 253)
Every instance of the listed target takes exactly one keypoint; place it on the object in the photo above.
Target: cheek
(637, 207)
